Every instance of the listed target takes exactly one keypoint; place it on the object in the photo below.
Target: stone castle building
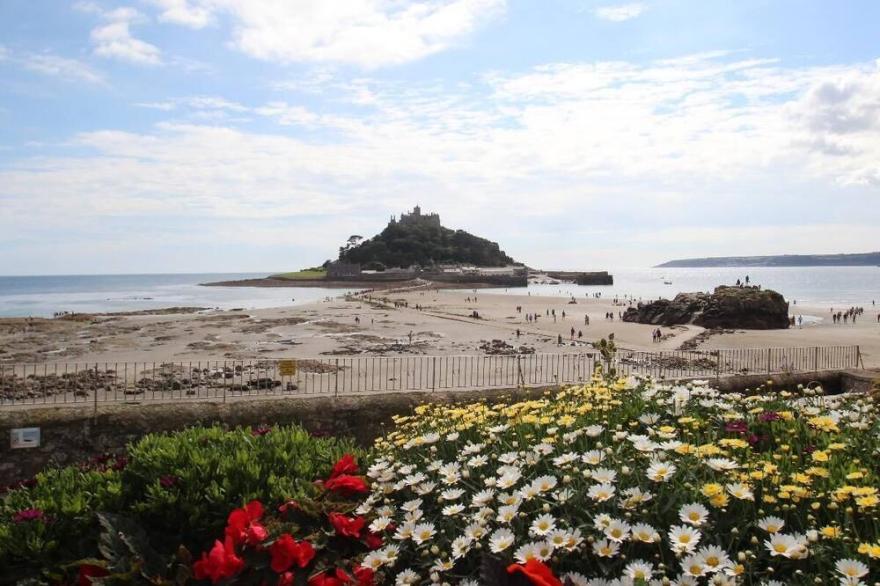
(416, 217)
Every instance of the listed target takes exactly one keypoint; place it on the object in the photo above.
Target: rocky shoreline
(348, 284)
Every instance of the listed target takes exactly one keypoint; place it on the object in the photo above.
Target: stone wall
(72, 434)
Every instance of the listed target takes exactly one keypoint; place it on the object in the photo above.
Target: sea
(42, 296)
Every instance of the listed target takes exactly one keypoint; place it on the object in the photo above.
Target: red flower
(537, 573)
(346, 484)
(286, 552)
(243, 525)
(345, 465)
(285, 579)
(89, 571)
(221, 563)
(26, 515)
(365, 576)
(347, 526)
(373, 540)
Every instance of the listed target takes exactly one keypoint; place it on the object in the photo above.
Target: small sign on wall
(24, 437)
(287, 367)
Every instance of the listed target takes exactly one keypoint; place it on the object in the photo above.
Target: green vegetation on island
(417, 239)
(303, 275)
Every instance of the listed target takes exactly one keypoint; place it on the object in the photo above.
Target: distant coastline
(785, 260)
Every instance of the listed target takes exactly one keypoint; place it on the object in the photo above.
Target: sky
(257, 135)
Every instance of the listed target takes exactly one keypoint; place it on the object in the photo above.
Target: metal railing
(225, 380)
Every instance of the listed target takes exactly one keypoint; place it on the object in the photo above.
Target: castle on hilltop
(416, 217)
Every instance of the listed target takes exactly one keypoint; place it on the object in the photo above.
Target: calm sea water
(44, 295)
(832, 286)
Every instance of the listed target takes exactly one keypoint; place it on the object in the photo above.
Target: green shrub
(56, 517)
(178, 486)
(208, 471)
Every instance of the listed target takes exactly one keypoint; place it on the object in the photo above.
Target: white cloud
(620, 12)
(184, 13)
(369, 33)
(61, 67)
(53, 66)
(614, 146)
(113, 38)
(166, 106)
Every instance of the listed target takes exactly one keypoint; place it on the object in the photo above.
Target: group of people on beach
(656, 336)
(850, 314)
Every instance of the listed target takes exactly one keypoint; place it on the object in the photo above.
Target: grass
(301, 275)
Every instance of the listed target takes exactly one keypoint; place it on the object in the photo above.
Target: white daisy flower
(461, 546)
(601, 492)
(507, 514)
(851, 568)
(693, 566)
(594, 430)
(543, 524)
(714, 558)
(783, 545)
(683, 539)
(500, 540)
(404, 531)
(604, 475)
(605, 549)
(380, 523)
(406, 578)
(644, 533)
(694, 514)
(771, 524)
(423, 532)
(593, 457)
(617, 531)
(451, 494)
(660, 471)
(639, 570)
(721, 464)
(741, 491)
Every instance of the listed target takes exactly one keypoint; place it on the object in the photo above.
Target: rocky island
(750, 308)
(412, 250)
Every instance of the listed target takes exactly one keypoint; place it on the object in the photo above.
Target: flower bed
(631, 481)
(614, 482)
(177, 489)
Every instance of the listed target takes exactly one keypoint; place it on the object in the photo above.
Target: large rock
(728, 307)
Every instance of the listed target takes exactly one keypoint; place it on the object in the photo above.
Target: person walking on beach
(572, 332)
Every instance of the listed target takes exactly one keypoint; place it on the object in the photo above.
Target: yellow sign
(287, 367)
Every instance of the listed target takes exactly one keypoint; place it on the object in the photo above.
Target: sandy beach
(419, 321)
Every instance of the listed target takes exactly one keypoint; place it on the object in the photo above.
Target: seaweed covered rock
(750, 308)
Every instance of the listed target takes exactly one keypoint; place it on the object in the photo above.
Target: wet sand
(391, 326)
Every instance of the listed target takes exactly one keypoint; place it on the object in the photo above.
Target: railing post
(816, 359)
(95, 391)
(433, 374)
(336, 379)
(768, 359)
